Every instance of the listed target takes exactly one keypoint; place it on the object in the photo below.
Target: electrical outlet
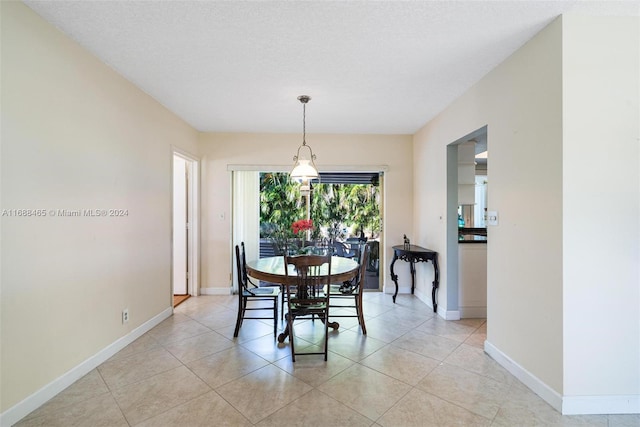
(125, 315)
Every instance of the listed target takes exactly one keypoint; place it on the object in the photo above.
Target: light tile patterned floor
(412, 369)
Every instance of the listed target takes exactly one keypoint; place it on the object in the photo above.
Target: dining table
(271, 269)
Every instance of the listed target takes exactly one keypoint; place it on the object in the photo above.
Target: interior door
(180, 226)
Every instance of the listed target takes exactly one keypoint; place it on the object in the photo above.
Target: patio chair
(340, 249)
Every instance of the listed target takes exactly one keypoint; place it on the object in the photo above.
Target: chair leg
(282, 291)
(326, 333)
(360, 315)
(239, 319)
(275, 316)
(242, 312)
(290, 327)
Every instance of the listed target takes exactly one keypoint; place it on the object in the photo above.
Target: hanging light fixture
(304, 168)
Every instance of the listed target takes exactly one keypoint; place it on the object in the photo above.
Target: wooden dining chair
(250, 292)
(311, 248)
(351, 292)
(309, 298)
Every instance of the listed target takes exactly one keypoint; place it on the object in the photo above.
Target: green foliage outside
(334, 208)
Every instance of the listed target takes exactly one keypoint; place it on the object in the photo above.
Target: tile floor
(412, 369)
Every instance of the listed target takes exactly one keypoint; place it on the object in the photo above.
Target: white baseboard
(566, 405)
(215, 291)
(449, 314)
(37, 399)
(527, 378)
(591, 405)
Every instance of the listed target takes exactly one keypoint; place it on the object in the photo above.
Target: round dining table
(271, 269)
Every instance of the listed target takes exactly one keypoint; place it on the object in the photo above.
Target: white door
(180, 226)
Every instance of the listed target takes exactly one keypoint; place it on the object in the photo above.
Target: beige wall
(562, 116)
(342, 151)
(75, 135)
(520, 102)
(601, 227)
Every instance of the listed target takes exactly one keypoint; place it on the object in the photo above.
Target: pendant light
(304, 168)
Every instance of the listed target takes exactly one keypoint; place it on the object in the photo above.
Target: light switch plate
(492, 218)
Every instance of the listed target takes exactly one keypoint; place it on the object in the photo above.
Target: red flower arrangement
(302, 225)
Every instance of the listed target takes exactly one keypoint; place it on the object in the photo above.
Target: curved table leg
(412, 268)
(284, 334)
(436, 283)
(433, 298)
(394, 276)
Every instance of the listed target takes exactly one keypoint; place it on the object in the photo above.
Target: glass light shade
(303, 170)
(305, 188)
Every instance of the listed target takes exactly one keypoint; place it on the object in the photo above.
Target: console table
(413, 254)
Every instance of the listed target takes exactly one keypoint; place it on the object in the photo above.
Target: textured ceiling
(370, 67)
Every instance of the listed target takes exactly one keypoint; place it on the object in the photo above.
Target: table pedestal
(413, 254)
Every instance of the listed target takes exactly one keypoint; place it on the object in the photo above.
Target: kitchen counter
(472, 235)
(473, 239)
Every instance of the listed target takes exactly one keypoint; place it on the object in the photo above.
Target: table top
(412, 249)
(271, 269)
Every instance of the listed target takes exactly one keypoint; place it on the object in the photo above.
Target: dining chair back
(252, 297)
(312, 274)
(311, 248)
(346, 298)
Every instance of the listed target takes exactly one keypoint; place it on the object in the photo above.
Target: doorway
(467, 183)
(359, 208)
(247, 212)
(184, 227)
(345, 207)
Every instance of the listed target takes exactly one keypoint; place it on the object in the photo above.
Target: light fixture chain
(304, 124)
